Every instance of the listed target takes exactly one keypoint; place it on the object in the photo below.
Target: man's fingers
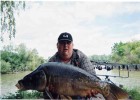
(94, 92)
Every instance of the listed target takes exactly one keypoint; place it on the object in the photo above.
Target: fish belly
(71, 87)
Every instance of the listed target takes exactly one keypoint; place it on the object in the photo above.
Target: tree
(102, 58)
(19, 58)
(5, 67)
(128, 52)
(8, 21)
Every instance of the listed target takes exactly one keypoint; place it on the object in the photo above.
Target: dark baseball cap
(65, 37)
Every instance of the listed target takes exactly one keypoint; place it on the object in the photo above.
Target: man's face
(65, 49)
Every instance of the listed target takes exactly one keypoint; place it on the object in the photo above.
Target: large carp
(68, 80)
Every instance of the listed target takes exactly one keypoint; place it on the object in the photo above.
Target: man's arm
(85, 63)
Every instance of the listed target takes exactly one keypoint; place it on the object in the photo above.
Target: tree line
(19, 58)
(125, 53)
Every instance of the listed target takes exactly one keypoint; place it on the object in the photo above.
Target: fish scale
(60, 69)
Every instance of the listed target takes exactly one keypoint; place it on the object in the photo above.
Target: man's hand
(92, 93)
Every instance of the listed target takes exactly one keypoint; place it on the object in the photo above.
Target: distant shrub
(5, 67)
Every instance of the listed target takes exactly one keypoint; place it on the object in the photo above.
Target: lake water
(133, 81)
(8, 81)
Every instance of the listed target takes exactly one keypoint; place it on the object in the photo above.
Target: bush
(5, 67)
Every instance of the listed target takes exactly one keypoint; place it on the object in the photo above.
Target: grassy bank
(134, 94)
(24, 95)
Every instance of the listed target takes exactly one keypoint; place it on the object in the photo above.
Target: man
(66, 54)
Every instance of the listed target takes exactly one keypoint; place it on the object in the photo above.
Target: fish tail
(116, 93)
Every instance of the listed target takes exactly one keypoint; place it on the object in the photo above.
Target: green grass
(134, 93)
(24, 95)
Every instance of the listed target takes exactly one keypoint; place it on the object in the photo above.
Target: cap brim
(65, 40)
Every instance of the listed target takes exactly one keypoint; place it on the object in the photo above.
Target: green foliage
(8, 21)
(5, 67)
(24, 95)
(134, 94)
(105, 58)
(126, 52)
(19, 59)
(118, 51)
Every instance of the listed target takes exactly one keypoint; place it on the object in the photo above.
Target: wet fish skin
(33, 81)
(58, 77)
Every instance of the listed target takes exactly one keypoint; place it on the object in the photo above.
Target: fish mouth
(19, 86)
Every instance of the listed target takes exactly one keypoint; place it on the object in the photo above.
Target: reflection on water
(8, 81)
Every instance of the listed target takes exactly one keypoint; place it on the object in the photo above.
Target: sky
(95, 26)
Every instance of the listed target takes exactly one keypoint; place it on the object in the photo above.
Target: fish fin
(118, 92)
(65, 97)
(49, 94)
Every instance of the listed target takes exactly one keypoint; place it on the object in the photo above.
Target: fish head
(33, 81)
